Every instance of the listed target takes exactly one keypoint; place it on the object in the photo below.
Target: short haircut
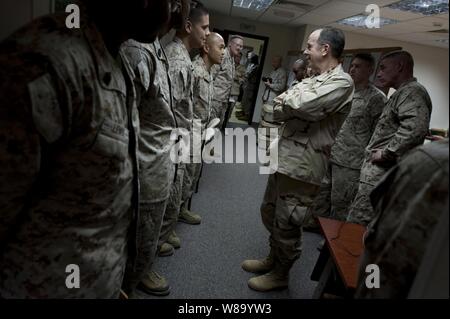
(335, 38)
(402, 55)
(367, 57)
(197, 11)
(234, 37)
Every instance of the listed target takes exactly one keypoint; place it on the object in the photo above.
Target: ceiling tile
(314, 19)
(221, 6)
(398, 14)
(339, 8)
(245, 13)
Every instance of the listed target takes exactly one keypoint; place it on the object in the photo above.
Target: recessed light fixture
(425, 7)
(257, 5)
(359, 21)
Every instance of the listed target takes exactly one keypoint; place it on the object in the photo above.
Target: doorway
(257, 45)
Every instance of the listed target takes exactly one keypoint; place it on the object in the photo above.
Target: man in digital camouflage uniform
(347, 154)
(312, 112)
(402, 126)
(68, 163)
(223, 78)
(192, 36)
(409, 202)
(212, 54)
(157, 171)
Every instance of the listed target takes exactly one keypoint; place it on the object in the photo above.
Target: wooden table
(341, 254)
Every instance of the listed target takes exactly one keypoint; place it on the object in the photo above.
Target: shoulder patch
(47, 115)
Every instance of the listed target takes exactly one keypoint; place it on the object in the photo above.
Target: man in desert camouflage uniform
(223, 78)
(68, 163)
(192, 36)
(403, 125)
(157, 171)
(410, 202)
(312, 112)
(347, 154)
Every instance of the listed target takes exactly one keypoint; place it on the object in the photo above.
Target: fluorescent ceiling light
(257, 5)
(425, 7)
(359, 21)
(442, 41)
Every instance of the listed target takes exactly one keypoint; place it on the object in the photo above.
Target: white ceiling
(413, 27)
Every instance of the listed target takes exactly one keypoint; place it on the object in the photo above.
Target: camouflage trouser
(173, 206)
(337, 192)
(361, 210)
(151, 216)
(219, 110)
(190, 178)
(283, 211)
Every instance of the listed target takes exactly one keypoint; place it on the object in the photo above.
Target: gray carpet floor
(208, 263)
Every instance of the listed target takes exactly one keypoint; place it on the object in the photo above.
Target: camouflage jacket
(238, 79)
(313, 112)
(156, 116)
(181, 74)
(403, 124)
(408, 202)
(68, 164)
(278, 86)
(223, 78)
(351, 141)
(203, 91)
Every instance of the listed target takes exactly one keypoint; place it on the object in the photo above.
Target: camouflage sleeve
(314, 104)
(30, 120)
(222, 83)
(279, 81)
(141, 63)
(376, 104)
(414, 117)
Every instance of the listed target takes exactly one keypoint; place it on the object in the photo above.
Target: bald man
(403, 125)
(212, 54)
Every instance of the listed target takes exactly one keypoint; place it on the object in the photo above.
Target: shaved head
(213, 38)
(214, 49)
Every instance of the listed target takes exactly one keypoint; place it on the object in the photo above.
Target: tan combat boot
(154, 284)
(277, 278)
(188, 217)
(166, 250)
(259, 266)
(174, 240)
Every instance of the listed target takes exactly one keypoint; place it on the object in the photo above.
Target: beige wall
(281, 40)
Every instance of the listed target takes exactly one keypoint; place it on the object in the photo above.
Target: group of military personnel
(87, 117)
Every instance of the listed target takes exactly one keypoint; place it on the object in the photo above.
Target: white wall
(281, 40)
(431, 69)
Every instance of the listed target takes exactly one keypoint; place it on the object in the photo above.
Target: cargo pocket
(111, 141)
(293, 214)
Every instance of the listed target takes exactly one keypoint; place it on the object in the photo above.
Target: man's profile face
(314, 50)
(236, 46)
(387, 72)
(216, 50)
(360, 70)
(200, 31)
